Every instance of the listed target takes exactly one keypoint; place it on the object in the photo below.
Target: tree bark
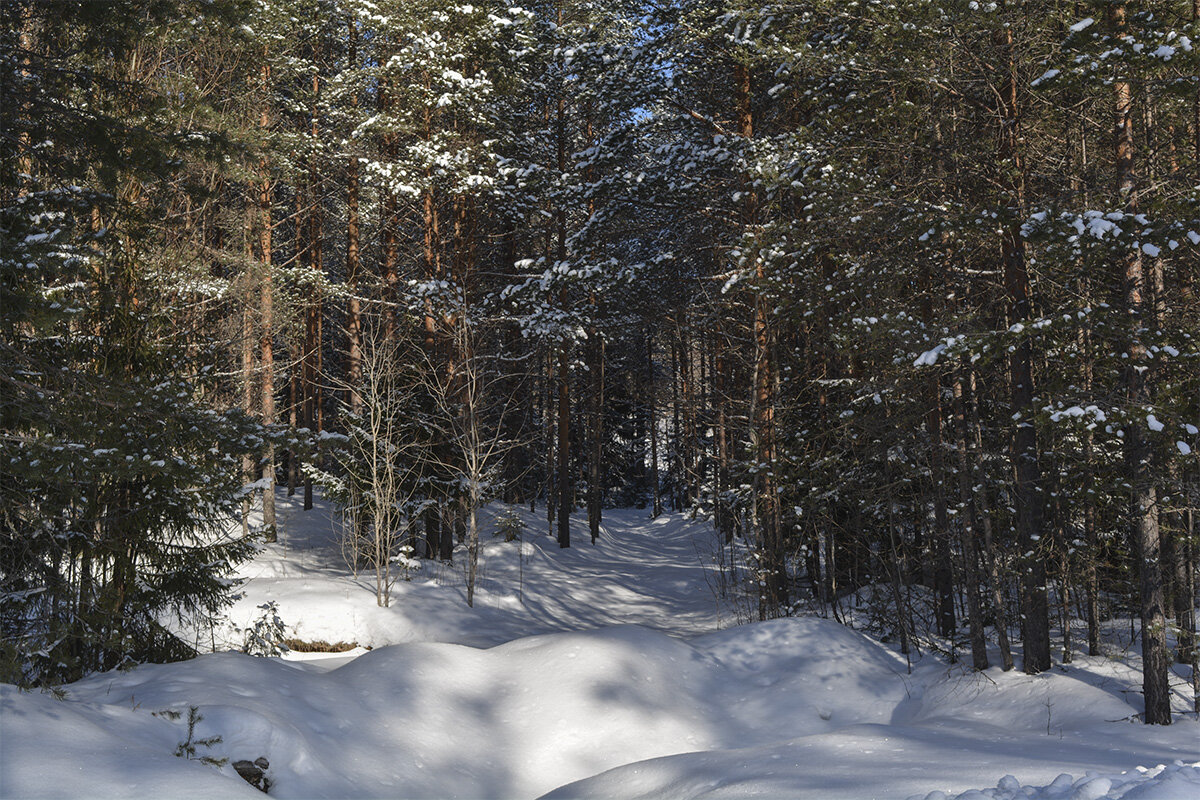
(313, 310)
(656, 500)
(247, 379)
(943, 572)
(596, 454)
(724, 513)
(970, 578)
(565, 501)
(387, 224)
(773, 595)
(1027, 492)
(353, 304)
(991, 560)
(267, 329)
(1143, 500)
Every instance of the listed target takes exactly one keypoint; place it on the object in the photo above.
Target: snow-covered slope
(590, 672)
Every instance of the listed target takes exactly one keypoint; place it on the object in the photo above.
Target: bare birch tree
(471, 411)
(380, 459)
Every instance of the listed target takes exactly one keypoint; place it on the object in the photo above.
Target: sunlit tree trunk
(267, 327)
(1156, 658)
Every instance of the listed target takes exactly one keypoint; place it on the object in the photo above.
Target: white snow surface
(598, 671)
(1164, 782)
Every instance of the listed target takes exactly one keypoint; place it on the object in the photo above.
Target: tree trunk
(1027, 492)
(247, 400)
(565, 501)
(773, 595)
(1155, 656)
(267, 331)
(970, 578)
(387, 224)
(312, 328)
(943, 571)
(429, 226)
(675, 460)
(724, 513)
(1091, 538)
(656, 505)
(996, 578)
(550, 433)
(596, 454)
(1184, 605)
(353, 304)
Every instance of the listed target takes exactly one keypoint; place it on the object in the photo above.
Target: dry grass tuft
(318, 646)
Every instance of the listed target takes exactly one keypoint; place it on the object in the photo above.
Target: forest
(900, 296)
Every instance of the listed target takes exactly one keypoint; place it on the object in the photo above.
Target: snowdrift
(544, 688)
(795, 707)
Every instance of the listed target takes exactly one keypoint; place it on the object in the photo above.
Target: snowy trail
(640, 571)
(653, 573)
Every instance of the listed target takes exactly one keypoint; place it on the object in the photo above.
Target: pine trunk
(267, 332)
(1156, 658)
(354, 373)
(565, 501)
(651, 397)
(1027, 492)
(970, 578)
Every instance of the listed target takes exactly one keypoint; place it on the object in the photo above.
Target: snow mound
(874, 761)
(436, 719)
(1059, 699)
(798, 708)
(440, 719)
(53, 748)
(1176, 781)
(812, 674)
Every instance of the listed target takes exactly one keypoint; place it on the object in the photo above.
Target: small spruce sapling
(509, 525)
(187, 748)
(265, 637)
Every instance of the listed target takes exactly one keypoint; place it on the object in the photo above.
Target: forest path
(656, 573)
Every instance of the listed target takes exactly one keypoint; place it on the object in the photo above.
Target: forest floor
(616, 670)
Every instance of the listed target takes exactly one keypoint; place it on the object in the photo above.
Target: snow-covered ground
(641, 572)
(606, 671)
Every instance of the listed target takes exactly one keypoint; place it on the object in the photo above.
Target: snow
(929, 357)
(640, 572)
(1049, 74)
(1077, 412)
(606, 671)
(1166, 781)
(53, 748)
